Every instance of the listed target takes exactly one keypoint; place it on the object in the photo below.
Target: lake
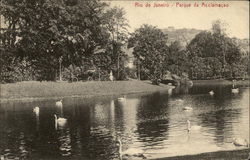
(153, 122)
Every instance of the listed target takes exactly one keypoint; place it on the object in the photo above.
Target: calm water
(155, 123)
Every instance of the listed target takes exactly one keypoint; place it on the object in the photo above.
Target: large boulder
(175, 79)
(169, 78)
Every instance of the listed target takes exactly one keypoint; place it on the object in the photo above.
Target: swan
(60, 121)
(179, 100)
(240, 142)
(189, 127)
(59, 103)
(131, 152)
(187, 108)
(121, 98)
(211, 92)
(235, 90)
(36, 110)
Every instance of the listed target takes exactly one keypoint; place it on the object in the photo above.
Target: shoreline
(238, 154)
(32, 91)
(220, 82)
(35, 90)
(27, 99)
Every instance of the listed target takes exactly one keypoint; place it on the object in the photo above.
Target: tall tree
(150, 50)
(176, 62)
(216, 50)
(48, 31)
(117, 26)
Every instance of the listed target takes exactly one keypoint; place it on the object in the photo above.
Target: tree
(216, 50)
(116, 24)
(176, 62)
(150, 50)
(71, 30)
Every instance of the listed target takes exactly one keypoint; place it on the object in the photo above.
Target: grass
(220, 155)
(33, 89)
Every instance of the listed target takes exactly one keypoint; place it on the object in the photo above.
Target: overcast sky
(236, 16)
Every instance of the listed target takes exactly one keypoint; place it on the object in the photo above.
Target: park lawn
(34, 89)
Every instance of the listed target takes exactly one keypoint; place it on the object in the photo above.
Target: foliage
(177, 61)
(213, 55)
(88, 39)
(150, 50)
(78, 32)
(117, 24)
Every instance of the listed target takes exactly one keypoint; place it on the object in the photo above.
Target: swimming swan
(189, 127)
(121, 98)
(59, 103)
(235, 90)
(60, 121)
(131, 152)
(36, 110)
(211, 92)
(187, 108)
(179, 101)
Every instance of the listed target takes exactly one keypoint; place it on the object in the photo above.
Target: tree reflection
(221, 122)
(92, 128)
(221, 118)
(152, 116)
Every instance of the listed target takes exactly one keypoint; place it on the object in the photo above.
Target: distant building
(170, 28)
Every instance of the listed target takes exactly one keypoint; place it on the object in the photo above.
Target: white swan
(121, 98)
(59, 103)
(131, 152)
(187, 108)
(60, 121)
(240, 142)
(235, 90)
(36, 110)
(211, 92)
(189, 127)
(179, 100)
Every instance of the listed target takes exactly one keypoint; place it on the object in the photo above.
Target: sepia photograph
(124, 80)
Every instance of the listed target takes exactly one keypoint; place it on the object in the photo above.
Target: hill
(183, 35)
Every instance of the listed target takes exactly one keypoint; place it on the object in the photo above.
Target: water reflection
(64, 141)
(37, 122)
(155, 123)
(153, 119)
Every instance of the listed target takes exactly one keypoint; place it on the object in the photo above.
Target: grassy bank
(34, 89)
(28, 90)
(220, 155)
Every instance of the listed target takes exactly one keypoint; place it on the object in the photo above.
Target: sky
(235, 15)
